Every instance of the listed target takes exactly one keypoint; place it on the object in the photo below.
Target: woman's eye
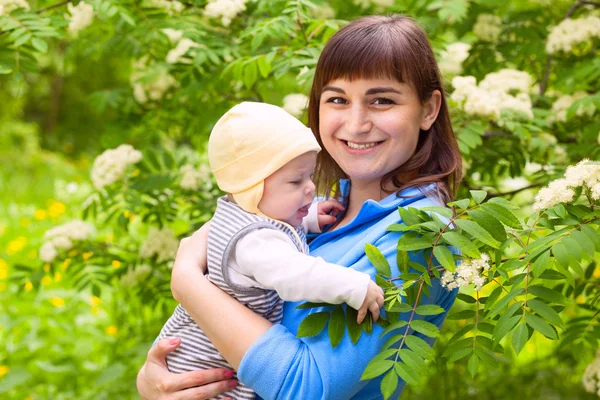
(383, 101)
(336, 100)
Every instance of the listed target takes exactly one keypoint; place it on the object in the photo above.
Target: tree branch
(62, 3)
(534, 185)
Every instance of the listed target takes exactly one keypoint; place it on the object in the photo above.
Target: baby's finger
(374, 308)
(362, 313)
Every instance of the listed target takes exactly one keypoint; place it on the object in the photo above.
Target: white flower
(133, 276)
(225, 10)
(110, 166)
(160, 243)
(488, 27)
(295, 104)
(571, 32)
(467, 273)
(324, 11)
(176, 54)
(170, 6)
(48, 252)
(81, 17)
(74, 230)
(585, 173)
(563, 103)
(491, 96)
(72, 187)
(452, 58)
(192, 178)
(7, 6)
(591, 377)
(62, 242)
(173, 34)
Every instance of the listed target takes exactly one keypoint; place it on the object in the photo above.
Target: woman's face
(371, 126)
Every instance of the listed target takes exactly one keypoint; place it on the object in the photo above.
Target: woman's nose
(358, 120)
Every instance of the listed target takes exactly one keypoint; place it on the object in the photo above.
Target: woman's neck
(359, 193)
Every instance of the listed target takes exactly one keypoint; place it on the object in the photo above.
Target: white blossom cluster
(170, 6)
(81, 16)
(174, 35)
(62, 237)
(133, 276)
(585, 173)
(8, 6)
(452, 58)
(491, 96)
(145, 90)
(591, 377)
(225, 10)
(110, 166)
(324, 11)
(177, 54)
(562, 104)
(467, 273)
(295, 104)
(160, 243)
(193, 178)
(570, 32)
(488, 27)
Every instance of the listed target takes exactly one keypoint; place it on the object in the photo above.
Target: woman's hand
(154, 381)
(190, 262)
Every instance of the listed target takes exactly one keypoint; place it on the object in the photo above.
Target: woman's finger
(192, 379)
(205, 392)
(158, 353)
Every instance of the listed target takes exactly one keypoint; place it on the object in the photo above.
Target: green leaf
(584, 241)
(504, 326)
(507, 217)
(462, 203)
(378, 260)
(540, 325)
(406, 373)
(541, 264)
(473, 365)
(426, 328)
(40, 44)
(478, 195)
(443, 211)
(419, 346)
(504, 302)
(389, 383)
(464, 244)
(477, 231)
(463, 314)
(313, 324)
(489, 223)
(592, 234)
(402, 259)
(548, 294)
(519, 337)
(22, 40)
(487, 357)
(409, 216)
(392, 327)
(336, 327)
(545, 311)
(466, 298)
(444, 257)
(411, 359)
(409, 243)
(459, 354)
(354, 329)
(429, 309)
(376, 368)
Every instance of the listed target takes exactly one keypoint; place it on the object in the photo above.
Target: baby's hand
(324, 208)
(373, 302)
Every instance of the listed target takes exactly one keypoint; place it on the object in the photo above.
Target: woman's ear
(431, 108)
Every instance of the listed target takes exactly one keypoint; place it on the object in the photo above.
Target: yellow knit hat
(252, 141)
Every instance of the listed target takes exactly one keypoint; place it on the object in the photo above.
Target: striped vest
(229, 224)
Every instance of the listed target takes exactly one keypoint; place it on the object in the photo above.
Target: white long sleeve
(311, 221)
(267, 258)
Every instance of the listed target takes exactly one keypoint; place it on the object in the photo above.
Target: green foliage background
(72, 328)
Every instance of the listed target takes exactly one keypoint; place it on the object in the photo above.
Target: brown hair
(392, 47)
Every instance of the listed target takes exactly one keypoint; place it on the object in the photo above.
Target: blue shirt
(281, 366)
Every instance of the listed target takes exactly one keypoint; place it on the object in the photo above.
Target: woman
(378, 110)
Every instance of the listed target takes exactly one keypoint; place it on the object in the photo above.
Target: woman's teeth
(353, 145)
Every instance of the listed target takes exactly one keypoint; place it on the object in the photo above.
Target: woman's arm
(229, 325)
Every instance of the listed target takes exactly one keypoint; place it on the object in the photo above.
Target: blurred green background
(79, 78)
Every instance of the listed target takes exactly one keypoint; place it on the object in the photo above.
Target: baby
(264, 159)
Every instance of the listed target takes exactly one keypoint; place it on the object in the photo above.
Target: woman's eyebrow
(378, 90)
(333, 89)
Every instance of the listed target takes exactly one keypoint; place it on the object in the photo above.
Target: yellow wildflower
(56, 209)
(16, 245)
(112, 330)
(65, 264)
(596, 273)
(4, 370)
(28, 398)
(46, 267)
(129, 215)
(46, 280)
(25, 222)
(136, 172)
(96, 300)
(57, 276)
(73, 253)
(580, 299)
(116, 264)
(57, 302)
(28, 286)
(3, 273)
(40, 215)
(2, 287)
(3, 264)
(88, 255)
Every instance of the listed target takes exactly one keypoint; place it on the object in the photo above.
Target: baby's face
(289, 191)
